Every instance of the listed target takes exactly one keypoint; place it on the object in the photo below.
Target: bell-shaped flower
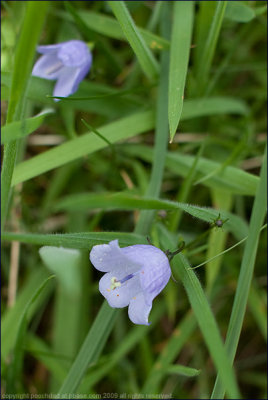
(66, 62)
(135, 275)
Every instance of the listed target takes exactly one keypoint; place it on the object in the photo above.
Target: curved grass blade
(128, 343)
(83, 240)
(11, 317)
(246, 274)
(15, 367)
(18, 129)
(108, 26)
(207, 324)
(179, 57)
(210, 45)
(161, 131)
(91, 348)
(142, 51)
(24, 55)
(86, 144)
(231, 178)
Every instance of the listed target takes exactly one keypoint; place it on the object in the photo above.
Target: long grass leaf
(142, 51)
(246, 274)
(161, 134)
(83, 240)
(207, 324)
(11, 317)
(91, 348)
(24, 55)
(231, 178)
(86, 144)
(19, 129)
(15, 367)
(210, 45)
(179, 56)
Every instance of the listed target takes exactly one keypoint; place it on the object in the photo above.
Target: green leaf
(246, 274)
(68, 266)
(193, 108)
(207, 324)
(179, 56)
(124, 128)
(210, 46)
(231, 178)
(25, 50)
(177, 369)
(129, 342)
(239, 12)
(136, 41)
(64, 263)
(83, 145)
(11, 317)
(125, 201)
(19, 129)
(91, 348)
(109, 27)
(40, 90)
(173, 347)
(15, 368)
(145, 219)
(83, 240)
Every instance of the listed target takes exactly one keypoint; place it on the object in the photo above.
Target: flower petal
(110, 257)
(120, 296)
(75, 53)
(69, 80)
(155, 272)
(139, 309)
(51, 48)
(48, 67)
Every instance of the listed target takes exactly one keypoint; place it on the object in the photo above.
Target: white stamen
(114, 283)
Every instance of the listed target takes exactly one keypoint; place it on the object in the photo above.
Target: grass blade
(91, 348)
(161, 133)
(18, 129)
(86, 144)
(84, 240)
(25, 51)
(11, 317)
(179, 56)
(15, 367)
(207, 324)
(246, 273)
(231, 178)
(142, 51)
(109, 27)
(210, 45)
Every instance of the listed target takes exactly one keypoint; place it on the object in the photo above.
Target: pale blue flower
(135, 275)
(67, 62)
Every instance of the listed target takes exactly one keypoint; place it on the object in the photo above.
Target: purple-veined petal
(110, 257)
(50, 48)
(48, 67)
(139, 309)
(155, 272)
(120, 296)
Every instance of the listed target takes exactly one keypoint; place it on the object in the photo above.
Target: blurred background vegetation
(223, 124)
